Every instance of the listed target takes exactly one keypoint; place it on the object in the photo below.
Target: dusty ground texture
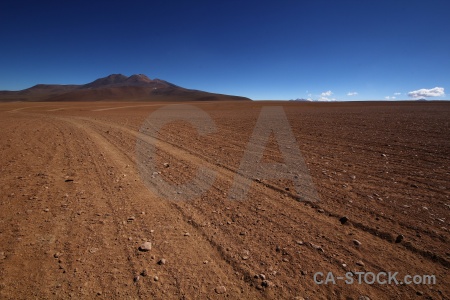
(74, 209)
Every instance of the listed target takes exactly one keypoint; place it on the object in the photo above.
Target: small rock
(131, 219)
(266, 283)
(262, 276)
(147, 246)
(2, 255)
(186, 234)
(46, 210)
(242, 233)
(221, 289)
(419, 293)
(360, 263)
(384, 155)
(144, 273)
(156, 278)
(343, 220)
(363, 298)
(304, 272)
(320, 210)
(399, 238)
(57, 255)
(166, 165)
(285, 259)
(357, 243)
(317, 247)
(136, 278)
(162, 261)
(299, 242)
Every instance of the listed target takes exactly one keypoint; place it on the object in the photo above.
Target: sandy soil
(74, 209)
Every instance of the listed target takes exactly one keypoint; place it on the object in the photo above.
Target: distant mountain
(115, 87)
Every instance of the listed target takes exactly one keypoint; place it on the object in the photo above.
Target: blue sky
(259, 49)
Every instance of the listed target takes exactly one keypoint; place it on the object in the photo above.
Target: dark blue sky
(258, 49)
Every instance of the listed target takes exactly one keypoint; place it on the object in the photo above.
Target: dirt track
(74, 209)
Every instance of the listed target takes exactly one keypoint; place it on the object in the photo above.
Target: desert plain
(75, 212)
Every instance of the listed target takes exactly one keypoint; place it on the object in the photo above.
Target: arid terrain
(74, 210)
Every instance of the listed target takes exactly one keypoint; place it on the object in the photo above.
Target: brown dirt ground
(386, 166)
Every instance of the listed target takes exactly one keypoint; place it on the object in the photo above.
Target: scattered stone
(46, 210)
(300, 242)
(136, 278)
(68, 180)
(147, 246)
(320, 210)
(384, 155)
(360, 263)
(353, 177)
(262, 276)
(156, 278)
(363, 298)
(186, 234)
(357, 243)
(399, 238)
(304, 272)
(244, 257)
(285, 259)
(343, 220)
(221, 289)
(419, 293)
(57, 255)
(242, 233)
(2, 255)
(162, 261)
(287, 189)
(131, 219)
(144, 273)
(166, 165)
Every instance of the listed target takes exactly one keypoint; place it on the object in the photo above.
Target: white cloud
(352, 93)
(326, 99)
(390, 97)
(326, 94)
(422, 93)
(397, 94)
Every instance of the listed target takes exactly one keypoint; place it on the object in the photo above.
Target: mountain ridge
(115, 87)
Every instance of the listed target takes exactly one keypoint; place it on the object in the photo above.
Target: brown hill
(115, 87)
